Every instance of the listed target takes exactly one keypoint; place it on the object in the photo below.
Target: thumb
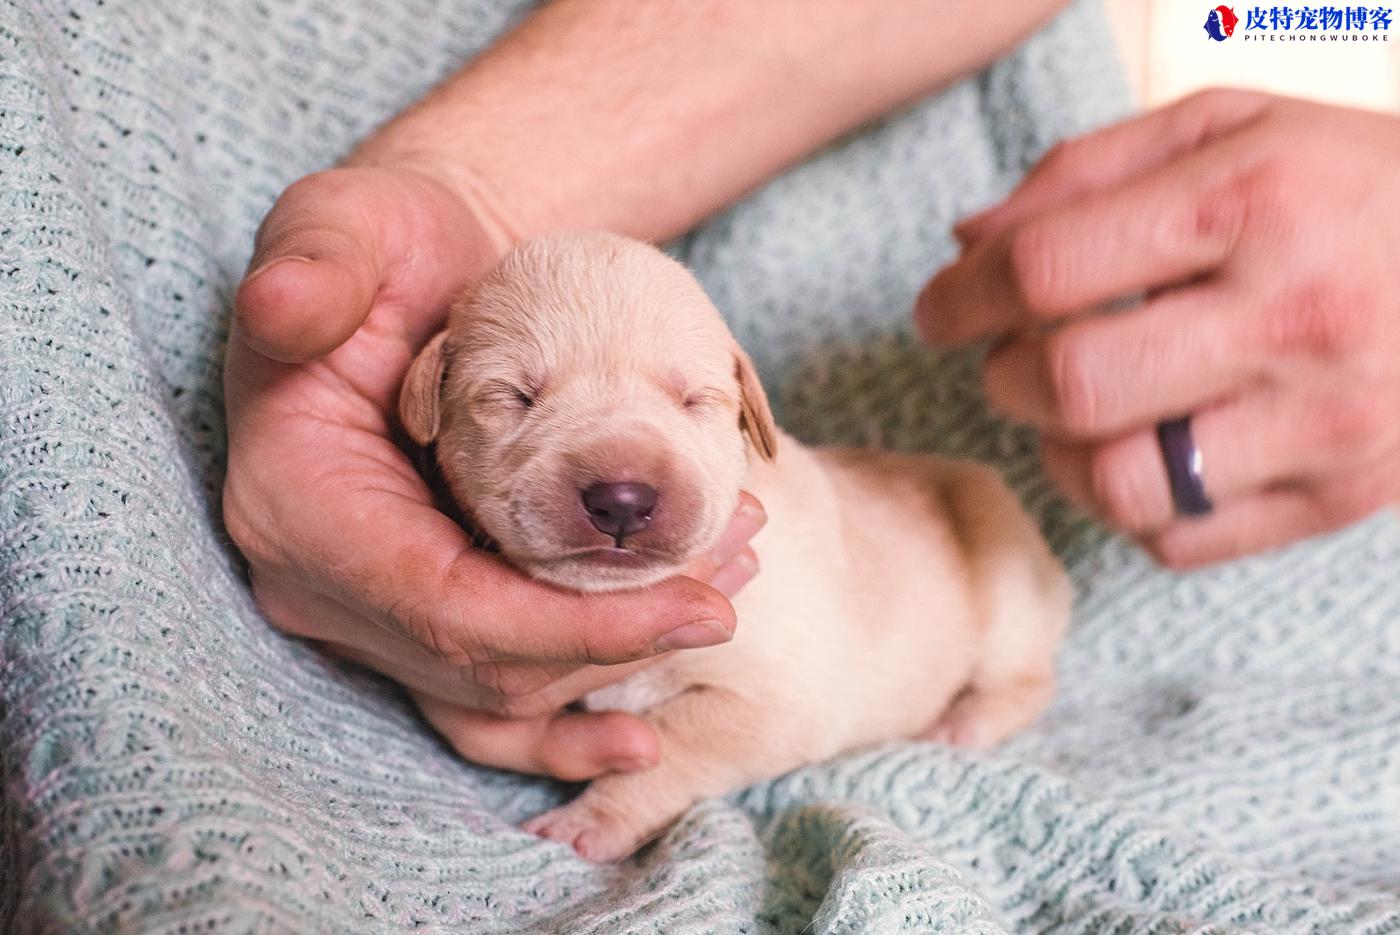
(315, 270)
(340, 242)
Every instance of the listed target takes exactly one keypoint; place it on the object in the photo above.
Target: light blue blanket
(1222, 756)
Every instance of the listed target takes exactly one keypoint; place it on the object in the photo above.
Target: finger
(516, 689)
(1260, 440)
(530, 689)
(403, 564)
(529, 686)
(731, 577)
(553, 684)
(1109, 157)
(297, 611)
(749, 517)
(1271, 519)
(484, 611)
(1159, 230)
(1100, 375)
(315, 270)
(567, 745)
(504, 689)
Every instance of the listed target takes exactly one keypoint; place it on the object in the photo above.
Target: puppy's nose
(619, 509)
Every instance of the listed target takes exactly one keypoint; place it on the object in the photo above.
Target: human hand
(352, 273)
(1265, 234)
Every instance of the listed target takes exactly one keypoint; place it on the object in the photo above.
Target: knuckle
(500, 691)
(1266, 198)
(1186, 119)
(486, 677)
(490, 702)
(443, 642)
(1061, 152)
(1116, 489)
(1320, 319)
(601, 641)
(1215, 99)
(1070, 378)
(523, 706)
(565, 766)
(1173, 552)
(1338, 504)
(300, 203)
(247, 535)
(275, 609)
(328, 183)
(599, 654)
(494, 705)
(1205, 98)
(1037, 272)
(1004, 372)
(1351, 425)
(602, 632)
(1219, 217)
(1063, 159)
(518, 684)
(1187, 122)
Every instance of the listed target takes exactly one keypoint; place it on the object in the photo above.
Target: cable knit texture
(1221, 756)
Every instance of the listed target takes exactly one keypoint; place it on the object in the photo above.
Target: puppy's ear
(420, 400)
(755, 418)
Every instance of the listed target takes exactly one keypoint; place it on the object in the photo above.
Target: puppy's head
(591, 411)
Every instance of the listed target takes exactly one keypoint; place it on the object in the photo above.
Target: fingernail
(734, 574)
(696, 635)
(752, 510)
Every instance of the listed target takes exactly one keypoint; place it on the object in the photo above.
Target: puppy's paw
(594, 834)
(983, 717)
(960, 726)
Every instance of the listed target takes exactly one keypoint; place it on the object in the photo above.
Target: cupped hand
(352, 273)
(1255, 242)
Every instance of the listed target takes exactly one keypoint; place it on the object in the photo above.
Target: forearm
(644, 117)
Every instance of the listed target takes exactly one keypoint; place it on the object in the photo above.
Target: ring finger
(1261, 438)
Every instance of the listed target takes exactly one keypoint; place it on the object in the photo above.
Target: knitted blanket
(1222, 755)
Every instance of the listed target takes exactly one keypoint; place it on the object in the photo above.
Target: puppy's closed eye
(508, 395)
(705, 401)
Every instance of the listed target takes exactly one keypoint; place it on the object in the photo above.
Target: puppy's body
(865, 625)
(882, 597)
(899, 596)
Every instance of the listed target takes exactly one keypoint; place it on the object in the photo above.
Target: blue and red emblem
(1220, 23)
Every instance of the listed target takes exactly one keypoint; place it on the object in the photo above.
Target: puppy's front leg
(713, 741)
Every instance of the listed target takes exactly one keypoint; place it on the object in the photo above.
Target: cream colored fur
(899, 596)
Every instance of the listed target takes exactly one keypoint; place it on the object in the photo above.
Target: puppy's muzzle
(619, 509)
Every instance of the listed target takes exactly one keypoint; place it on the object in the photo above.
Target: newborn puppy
(594, 416)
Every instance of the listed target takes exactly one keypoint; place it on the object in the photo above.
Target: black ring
(1183, 460)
